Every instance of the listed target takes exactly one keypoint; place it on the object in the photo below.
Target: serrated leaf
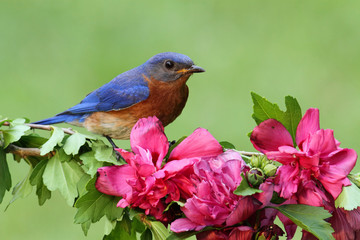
(81, 186)
(264, 109)
(32, 140)
(123, 230)
(349, 198)
(90, 162)
(309, 218)
(22, 189)
(103, 152)
(57, 135)
(85, 227)
(36, 179)
(73, 143)
(109, 226)
(64, 176)
(244, 188)
(159, 231)
(17, 121)
(227, 145)
(93, 205)
(146, 235)
(14, 134)
(292, 116)
(5, 177)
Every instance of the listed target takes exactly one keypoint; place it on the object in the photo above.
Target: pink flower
(318, 165)
(213, 202)
(145, 181)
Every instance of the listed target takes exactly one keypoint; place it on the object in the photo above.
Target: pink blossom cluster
(312, 174)
(200, 174)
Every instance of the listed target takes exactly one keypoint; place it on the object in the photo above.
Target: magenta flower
(318, 159)
(214, 203)
(146, 180)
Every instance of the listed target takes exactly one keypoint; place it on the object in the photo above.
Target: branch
(25, 152)
(43, 127)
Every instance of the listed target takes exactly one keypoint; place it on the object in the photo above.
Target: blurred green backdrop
(52, 53)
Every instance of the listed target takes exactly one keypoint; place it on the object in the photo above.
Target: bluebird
(155, 88)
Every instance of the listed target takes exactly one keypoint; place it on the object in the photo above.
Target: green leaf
(103, 152)
(32, 140)
(263, 110)
(94, 205)
(91, 164)
(244, 188)
(85, 227)
(14, 134)
(292, 116)
(22, 189)
(57, 135)
(36, 179)
(5, 177)
(123, 230)
(146, 235)
(227, 145)
(159, 231)
(349, 198)
(174, 146)
(73, 143)
(309, 218)
(109, 226)
(81, 186)
(64, 176)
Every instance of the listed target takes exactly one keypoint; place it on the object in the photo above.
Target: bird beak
(195, 69)
(192, 69)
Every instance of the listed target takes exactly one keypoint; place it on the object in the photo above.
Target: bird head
(170, 66)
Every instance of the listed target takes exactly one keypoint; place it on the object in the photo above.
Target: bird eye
(169, 64)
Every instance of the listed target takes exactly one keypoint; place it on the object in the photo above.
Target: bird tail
(59, 119)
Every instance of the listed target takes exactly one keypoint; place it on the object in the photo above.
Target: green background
(52, 53)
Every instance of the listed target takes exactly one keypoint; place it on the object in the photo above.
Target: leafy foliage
(62, 173)
(93, 205)
(5, 177)
(309, 218)
(69, 163)
(36, 179)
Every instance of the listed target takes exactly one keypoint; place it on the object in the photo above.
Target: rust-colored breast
(166, 101)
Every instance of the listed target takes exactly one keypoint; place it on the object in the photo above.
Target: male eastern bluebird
(155, 88)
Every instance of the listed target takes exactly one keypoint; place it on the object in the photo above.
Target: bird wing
(118, 94)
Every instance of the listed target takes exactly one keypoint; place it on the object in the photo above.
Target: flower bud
(270, 170)
(257, 161)
(255, 176)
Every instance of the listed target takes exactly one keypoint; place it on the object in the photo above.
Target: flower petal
(270, 135)
(241, 233)
(199, 144)
(148, 133)
(243, 210)
(309, 124)
(287, 180)
(321, 143)
(113, 180)
(183, 225)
